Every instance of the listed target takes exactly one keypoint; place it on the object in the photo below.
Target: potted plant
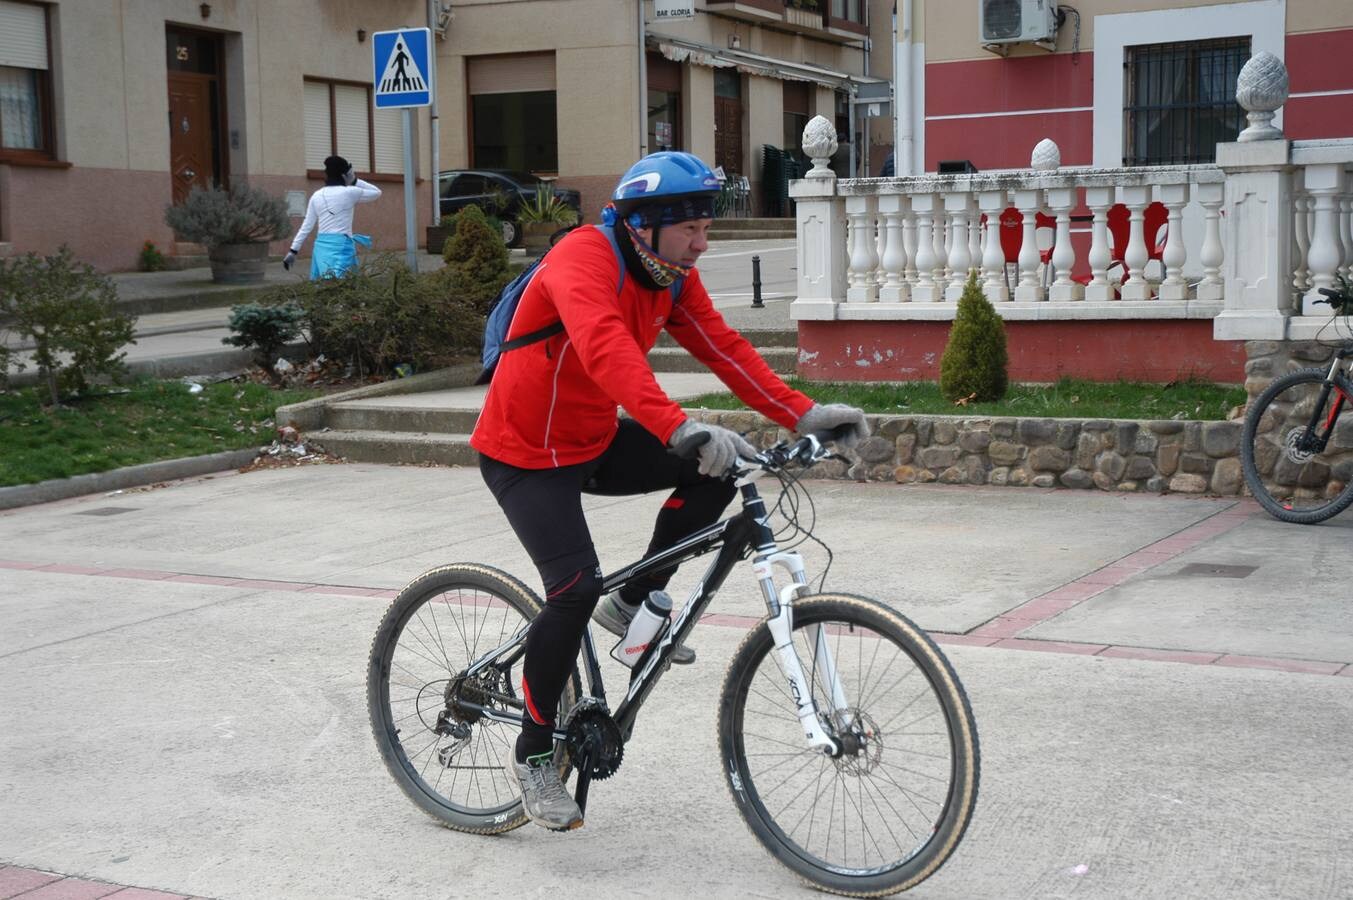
(234, 225)
(541, 216)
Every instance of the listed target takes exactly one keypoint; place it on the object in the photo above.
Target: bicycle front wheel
(447, 758)
(885, 814)
(1297, 447)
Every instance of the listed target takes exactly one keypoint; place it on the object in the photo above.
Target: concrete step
(400, 418)
(396, 447)
(759, 337)
(782, 360)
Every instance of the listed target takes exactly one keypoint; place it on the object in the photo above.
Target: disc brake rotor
(1292, 448)
(861, 743)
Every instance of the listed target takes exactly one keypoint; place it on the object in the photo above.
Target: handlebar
(1342, 303)
(805, 451)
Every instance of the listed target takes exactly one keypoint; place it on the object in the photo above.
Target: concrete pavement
(1161, 685)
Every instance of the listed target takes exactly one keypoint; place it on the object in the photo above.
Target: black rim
(877, 809)
(434, 643)
(1297, 441)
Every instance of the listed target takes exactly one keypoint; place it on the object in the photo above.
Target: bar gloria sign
(667, 10)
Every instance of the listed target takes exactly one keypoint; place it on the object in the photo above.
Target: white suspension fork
(780, 605)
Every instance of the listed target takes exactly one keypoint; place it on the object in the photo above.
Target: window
(1180, 100)
(513, 117)
(664, 104)
(25, 82)
(340, 120)
(850, 10)
(797, 101)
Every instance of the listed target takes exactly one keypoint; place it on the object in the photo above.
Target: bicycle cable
(792, 493)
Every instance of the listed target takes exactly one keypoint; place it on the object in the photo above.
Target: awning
(683, 50)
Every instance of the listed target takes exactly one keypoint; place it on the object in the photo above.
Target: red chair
(1155, 231)
(1012, 236)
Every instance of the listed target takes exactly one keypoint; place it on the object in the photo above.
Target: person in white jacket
(331, 208)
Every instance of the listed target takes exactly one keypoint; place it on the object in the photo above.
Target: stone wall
(1267, 360)
(1104, 454)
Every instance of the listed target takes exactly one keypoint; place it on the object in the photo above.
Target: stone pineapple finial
(819, 143)
(1047, 156)
(1261, 89)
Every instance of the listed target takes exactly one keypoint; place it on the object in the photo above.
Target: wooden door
(191, 133)
(728, 133)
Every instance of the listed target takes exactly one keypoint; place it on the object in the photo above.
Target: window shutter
(23, 35)
(389, 128)
(511, 74)
(318, 128)
(352, 111)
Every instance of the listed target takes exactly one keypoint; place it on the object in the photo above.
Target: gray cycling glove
(717, 454)
(288, 260)
(350, 176)
(823, 417)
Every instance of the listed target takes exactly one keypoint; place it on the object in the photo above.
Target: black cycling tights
(544, 507)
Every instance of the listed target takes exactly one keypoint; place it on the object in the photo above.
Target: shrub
(241, 215)
(266, 329)
(974, 361)
(69, 311)
(476, 260)
(545, 207)
(151, 259)
(380, 315)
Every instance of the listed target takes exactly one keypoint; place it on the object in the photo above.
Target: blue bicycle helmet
(663, 188)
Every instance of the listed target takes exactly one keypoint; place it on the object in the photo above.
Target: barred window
(1180, 100)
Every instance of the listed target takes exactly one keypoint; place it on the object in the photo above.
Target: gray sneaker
(614, 615)
(543, 795)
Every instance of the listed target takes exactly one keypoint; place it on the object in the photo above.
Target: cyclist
(549, 431)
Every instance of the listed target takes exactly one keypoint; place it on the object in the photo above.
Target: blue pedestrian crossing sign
(401, 70)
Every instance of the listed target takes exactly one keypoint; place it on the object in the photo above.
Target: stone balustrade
(1246, 243)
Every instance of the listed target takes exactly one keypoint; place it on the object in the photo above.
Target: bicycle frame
(733, 538)
(1313, 439)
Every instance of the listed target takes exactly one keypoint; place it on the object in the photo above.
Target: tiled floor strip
(35, 884)
(1001, 632)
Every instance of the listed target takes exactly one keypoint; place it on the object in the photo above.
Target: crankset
(595, 745)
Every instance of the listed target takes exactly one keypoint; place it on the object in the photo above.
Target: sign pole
(410, 203)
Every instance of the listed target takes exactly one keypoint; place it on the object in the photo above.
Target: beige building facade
(109, 111)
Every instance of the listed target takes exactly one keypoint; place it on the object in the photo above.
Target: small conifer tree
(974, 361)
(476, 260)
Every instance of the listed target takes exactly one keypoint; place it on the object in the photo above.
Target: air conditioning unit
(1018, 21)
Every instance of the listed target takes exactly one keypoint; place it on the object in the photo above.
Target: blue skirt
(335, 254)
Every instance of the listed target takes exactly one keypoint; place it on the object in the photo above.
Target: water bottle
(647, 626)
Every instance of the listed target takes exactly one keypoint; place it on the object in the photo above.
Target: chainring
(592, 730)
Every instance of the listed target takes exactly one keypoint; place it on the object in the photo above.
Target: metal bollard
(756, 283)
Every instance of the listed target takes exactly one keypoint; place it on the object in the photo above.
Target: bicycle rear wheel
(1296, 449)
(448, 759)
(885, 814)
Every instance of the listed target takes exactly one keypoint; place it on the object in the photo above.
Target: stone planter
(238, 263)
(436, 238)
(535, 236)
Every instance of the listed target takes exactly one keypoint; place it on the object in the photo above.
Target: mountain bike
(847, 741)
(1296, 454)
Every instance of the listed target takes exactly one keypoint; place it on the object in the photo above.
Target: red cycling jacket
(553, 403)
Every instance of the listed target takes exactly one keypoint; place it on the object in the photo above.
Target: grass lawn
(151, 421)
(1066, 399)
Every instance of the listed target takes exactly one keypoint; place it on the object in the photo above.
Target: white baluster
(880, 239)
(909, 243)
(940, 241)
(1346, 231)
(1135, 198)
(1174, 287)
(959, 207)
(974, 234)
(1325, 182)
(925, 289)
(1028, 202)
(993, 257)
(893, 262)
(1301, 229)
(1099, 199)
(1211, 255)
(1061, 201)
(862, 258)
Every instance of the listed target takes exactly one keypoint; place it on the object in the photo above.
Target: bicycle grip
(835, 434)
(688, 448)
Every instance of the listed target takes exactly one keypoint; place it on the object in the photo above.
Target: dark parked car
(499, 193)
